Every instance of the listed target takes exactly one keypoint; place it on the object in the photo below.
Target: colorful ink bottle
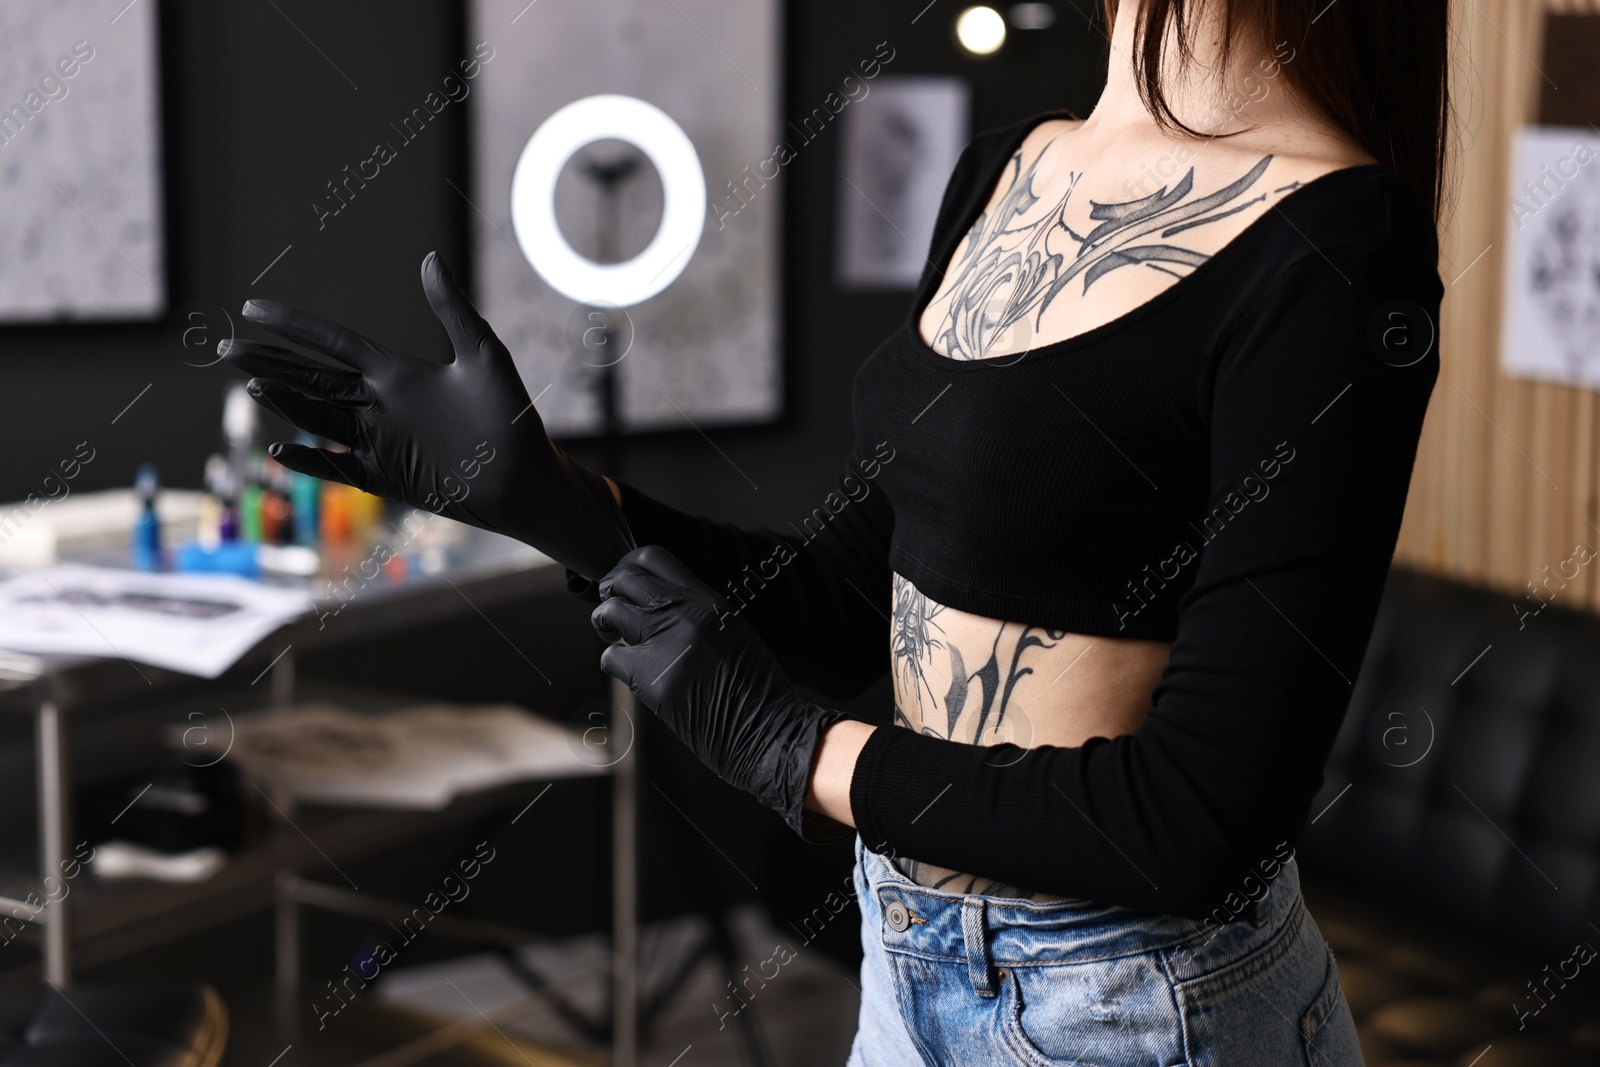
(240, 420)
(211, 505)
(147, 527)
(305, 493)
(336, 519)
(277, 514)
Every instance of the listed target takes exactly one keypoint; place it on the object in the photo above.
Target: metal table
(482, 571)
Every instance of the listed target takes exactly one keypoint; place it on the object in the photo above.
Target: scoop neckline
(924, 295)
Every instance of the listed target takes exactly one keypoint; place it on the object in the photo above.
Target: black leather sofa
(1453, 858)
(142, 1024)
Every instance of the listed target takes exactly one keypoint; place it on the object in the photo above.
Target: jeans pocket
(1112, 1013)
(1327, 1026)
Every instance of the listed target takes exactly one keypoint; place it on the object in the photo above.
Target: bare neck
(1201, 94)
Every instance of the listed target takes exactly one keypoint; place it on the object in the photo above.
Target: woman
(1124, 491)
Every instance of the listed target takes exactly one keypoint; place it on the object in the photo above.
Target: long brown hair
(1378, 69)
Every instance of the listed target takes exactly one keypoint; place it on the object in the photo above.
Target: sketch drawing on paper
(900, 145)
(1552, 290)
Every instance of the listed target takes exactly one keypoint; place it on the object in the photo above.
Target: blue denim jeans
(961, 980)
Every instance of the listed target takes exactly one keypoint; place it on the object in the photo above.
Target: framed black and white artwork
(900, 143)
(1552, 283)
(83, 234)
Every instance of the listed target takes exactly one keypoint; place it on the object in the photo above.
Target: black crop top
(1069, 488)
(1224, 467)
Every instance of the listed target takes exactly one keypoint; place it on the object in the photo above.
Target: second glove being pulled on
(713, 680)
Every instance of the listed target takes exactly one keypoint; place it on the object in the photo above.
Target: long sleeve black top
(1225, 467)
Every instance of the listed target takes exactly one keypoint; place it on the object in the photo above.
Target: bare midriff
(985, 681)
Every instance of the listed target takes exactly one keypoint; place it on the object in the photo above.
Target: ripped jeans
(953, 979)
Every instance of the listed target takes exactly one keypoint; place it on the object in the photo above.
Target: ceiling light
(980, 30)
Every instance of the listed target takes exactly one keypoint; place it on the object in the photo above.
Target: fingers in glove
(657, 561)
(318, 334)
(634, 584)
(619, 620)
(622, 663)
(342, 467)
(453, 308)
(313, 416)
(648, 573)
(299, 372)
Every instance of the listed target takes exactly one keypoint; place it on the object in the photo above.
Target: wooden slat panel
(1587, 476)
(1548, 489)
(1507, 478)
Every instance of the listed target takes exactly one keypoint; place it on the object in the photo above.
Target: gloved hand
(713, 681)
(461, 438)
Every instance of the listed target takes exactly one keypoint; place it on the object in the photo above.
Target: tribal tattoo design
(1008, 271)
(938, 696)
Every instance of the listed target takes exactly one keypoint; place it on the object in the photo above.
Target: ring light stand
(618, 286)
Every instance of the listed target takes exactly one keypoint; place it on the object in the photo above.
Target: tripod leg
(714, 910)
(727, 951)
(625, 1024)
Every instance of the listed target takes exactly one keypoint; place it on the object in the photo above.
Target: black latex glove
(700, 667)
(461, 438)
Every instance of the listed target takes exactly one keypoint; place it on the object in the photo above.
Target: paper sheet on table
(417, 757)
(197, 624)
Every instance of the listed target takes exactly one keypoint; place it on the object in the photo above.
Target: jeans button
(897, 916)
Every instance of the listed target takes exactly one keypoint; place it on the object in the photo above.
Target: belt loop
(974, 927)
(1270, 903)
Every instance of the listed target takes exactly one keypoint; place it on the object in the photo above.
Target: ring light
(683, 196)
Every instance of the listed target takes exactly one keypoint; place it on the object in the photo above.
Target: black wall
(256, 122)
(258, 119)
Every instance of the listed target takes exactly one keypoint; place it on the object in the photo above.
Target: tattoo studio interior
(799, 534)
